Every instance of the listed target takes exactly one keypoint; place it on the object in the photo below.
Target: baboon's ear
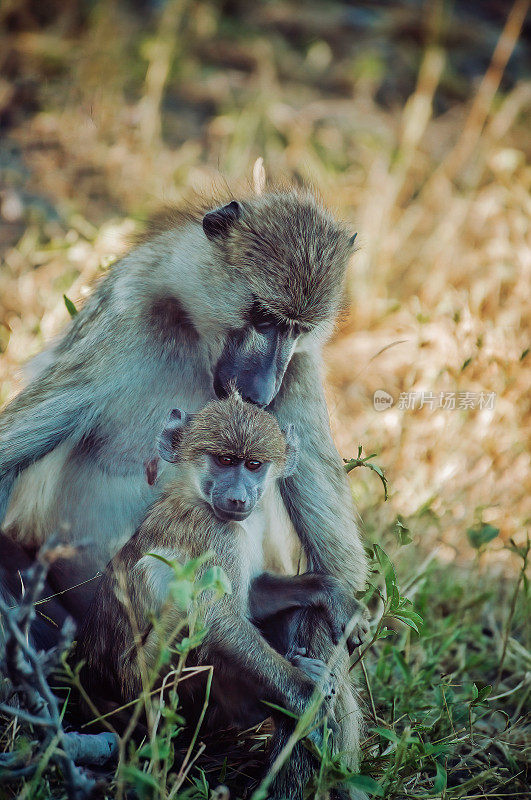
(292, 451)
(217, 223)
(170, 436)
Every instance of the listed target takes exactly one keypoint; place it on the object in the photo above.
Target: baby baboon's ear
(292, 451)
(217, 223)
(170, 436)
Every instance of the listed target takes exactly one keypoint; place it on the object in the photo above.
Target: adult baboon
(244, 294)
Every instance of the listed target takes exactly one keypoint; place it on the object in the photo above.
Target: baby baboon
(230, 454)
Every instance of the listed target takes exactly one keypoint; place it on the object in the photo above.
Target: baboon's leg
(288, 632)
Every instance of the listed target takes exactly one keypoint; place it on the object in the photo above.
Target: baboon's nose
(236, 503)
(255, 402)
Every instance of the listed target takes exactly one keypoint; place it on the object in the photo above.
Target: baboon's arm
(233, 646)
(233, 643)
(317, 496)
(39, 419)
(270, 594)
(274, 596)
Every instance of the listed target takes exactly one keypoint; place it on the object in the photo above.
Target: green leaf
(215, 578)
(352, 463)
(480, 695)
(441, 779)
(402, 533)
(164, 560)
(223, 771)
(188, 643)
(395, 598)
(481, 535)
(366, 784)
(181, 594)
(433, 749)
(202, 783)
(165, 655)
(172, 716)
(407, 620)
(144, 783)
(484, 693)
(191, 568)
(317, 752)
(162, 750)
(70, 307)
(408, 613)
(385, 733)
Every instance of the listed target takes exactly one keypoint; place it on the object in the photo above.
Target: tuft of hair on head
(259, 176)
(233, 427)
(292, 253)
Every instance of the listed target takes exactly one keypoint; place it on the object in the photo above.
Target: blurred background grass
(412, 119)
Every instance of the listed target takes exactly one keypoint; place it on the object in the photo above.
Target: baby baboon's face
(231, 450)
(232, 486)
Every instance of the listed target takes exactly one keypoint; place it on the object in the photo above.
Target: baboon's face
(291, 257)
(256, 357)
(231, 485)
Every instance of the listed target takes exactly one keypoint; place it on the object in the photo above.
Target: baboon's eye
(253, 465)
(264, 325)
(225, 461)
(261, 319)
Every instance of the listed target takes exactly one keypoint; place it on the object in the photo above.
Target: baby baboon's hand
(317, 671)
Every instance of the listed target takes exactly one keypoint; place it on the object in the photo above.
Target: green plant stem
(183, 770)
(373, 708)
(512, 610)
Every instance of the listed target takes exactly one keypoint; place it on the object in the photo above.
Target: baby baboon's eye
(253, 465)
(225, 461)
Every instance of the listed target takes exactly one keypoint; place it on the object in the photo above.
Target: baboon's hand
(316, 734)
(317, 671)
(358, 628)
(345, 615)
